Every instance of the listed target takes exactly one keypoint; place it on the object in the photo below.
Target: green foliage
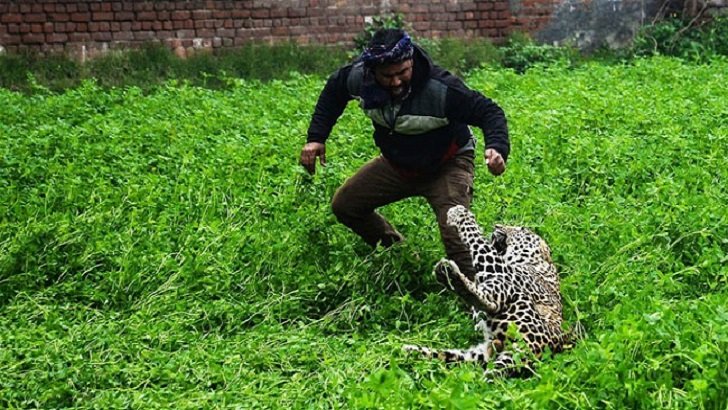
(152, 65)
(462, 56)
(676, 37)
(385, 21)
(521, 52)
(17, 69)
(164, 249)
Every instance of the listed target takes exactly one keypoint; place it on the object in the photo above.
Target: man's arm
(331, 103)
(472, 108)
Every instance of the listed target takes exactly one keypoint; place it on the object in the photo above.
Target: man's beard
(400, 92)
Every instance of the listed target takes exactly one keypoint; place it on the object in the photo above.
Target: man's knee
(339, 205)
(344, 207)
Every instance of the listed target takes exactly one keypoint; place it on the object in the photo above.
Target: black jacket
(426, 128)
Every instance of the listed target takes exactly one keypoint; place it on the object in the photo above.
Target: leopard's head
(517, 242)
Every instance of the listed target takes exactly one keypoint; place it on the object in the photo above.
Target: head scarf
(379, 54)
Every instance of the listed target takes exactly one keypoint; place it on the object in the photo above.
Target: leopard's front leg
(452, 272)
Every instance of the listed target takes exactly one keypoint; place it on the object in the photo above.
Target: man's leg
(375, 184)
(453, 185)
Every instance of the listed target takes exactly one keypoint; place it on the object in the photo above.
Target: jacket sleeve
(331, 103)
(473, 108)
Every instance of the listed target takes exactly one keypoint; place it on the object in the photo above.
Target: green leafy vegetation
(679, 37)
(164, 249)
(153, 65)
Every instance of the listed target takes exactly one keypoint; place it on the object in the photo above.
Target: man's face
(395, 78)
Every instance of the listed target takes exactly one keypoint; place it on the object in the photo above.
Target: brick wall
(87, 27)
(84, 28)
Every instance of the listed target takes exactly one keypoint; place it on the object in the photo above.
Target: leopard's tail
(478, 353)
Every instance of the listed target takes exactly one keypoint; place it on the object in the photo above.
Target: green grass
(164, 249)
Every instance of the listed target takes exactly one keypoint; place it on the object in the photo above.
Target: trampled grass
(165, 250)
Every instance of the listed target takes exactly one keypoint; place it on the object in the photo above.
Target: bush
(677, 37)
(394, 20)
(153, 64)
(521, 52)
(462, 56)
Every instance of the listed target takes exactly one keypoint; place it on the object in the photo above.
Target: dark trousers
(377, 184)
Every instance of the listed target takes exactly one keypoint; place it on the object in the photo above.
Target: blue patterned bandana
(374, 56)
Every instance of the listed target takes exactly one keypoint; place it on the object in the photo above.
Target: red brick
(11, 40)
(102, 16)
(144, 35)
(79, 37)
(56, 38)
(59, 17)
(180, 15)
(124, 16)
(201, 14)
(122, 36)
(101, 36)
(142, 6)
(205, 33)
(185, 33)
(80, 17)
(221, 14)
(33, 38)
(261, 14)
(146, 15)
(224, 32)
(280, 31)
(241, 14)
(11, 18)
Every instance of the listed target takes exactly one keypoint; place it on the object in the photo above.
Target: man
(420, 114)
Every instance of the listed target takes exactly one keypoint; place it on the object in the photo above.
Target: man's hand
(309, 153)
(494, 161)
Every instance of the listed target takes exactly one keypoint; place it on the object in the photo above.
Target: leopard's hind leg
(504, 365)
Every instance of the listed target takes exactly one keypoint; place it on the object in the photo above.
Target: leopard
(515, 287)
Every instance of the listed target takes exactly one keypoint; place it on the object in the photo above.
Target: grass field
(165, 250)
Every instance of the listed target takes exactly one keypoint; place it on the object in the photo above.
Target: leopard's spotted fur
(516, 284)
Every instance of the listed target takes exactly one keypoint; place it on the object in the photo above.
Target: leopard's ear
(499, 241)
